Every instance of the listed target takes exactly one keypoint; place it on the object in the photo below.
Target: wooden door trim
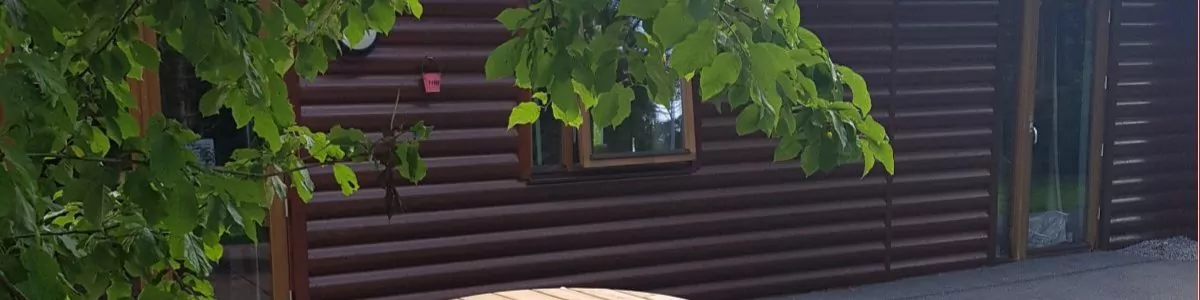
(1100, 63)
(1022, 140)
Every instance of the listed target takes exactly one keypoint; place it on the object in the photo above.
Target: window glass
(651, 128)
(656, 130)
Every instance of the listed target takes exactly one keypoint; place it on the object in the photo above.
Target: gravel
(1176, 248)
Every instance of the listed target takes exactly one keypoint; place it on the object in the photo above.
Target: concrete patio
(1099, 275)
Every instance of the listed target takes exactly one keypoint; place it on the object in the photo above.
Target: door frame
(1022, 146)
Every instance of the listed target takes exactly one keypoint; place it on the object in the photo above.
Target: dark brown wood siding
(1150, 149)
(739, 227)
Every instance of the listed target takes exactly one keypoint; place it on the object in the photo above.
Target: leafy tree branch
(752, 56)
(97, 198)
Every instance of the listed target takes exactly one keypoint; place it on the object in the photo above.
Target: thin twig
(82, 158)
(12, 288)
(395, 108)
(112, 34)
(268, 174)
(17, 237)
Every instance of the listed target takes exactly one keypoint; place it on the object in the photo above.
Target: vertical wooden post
(1098, 117)
(297, 215)
(288, 228)
(1023, 119)
(146, 91)
(279, 246)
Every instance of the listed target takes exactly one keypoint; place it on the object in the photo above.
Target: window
(653, 133)
(655, 137)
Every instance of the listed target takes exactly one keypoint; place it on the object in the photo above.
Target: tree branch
(12, 288)
(82, 158)
(94, 231)
(112, 34)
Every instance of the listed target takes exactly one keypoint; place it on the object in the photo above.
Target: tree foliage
(94, 202)
(752, 56)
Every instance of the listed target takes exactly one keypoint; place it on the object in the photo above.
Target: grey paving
(1100, 275)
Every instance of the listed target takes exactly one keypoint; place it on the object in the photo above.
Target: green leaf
(119, 289)
(157, 292)
(53, 11)
(697, 51)
(43, 275)
(99, 143)
(144, 54)
(805, 57)
(872, 130)
(624, 98)
(90, 193)
(46, 72)
(512, 17)
(754, 8)
(808, 39)
(868, 154)
(724, 70)
(264, 126)
(788, 13)
(127, 125)
(212, 101)
(382, 16)
(356, 25)
(166, 157)
(524, 113)
(768, 61)
(140, 191)
(703, 9)
(416, 8)
(303, 183)
(183, 209)
(420, 130)
(738, 95)
(274, 21)
(644, 9)
(346, 137)
(672, 24)
(310, 60)
(410, 166)
(502, 62)
(9, 191)
(605, 110)
(198, 38)
(858, 86)
(883, 153)
(585, 94)
(810, 159)
(280, 53)
(787, 149)
(747, 120)
(194, 255)
(562, 95)
(295, 14)
(346, 178)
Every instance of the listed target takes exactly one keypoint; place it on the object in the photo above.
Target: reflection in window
(655, 132)
(244, 272)
(650, 129)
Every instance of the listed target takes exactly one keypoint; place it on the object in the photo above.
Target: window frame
(588, 159)
(576, 143)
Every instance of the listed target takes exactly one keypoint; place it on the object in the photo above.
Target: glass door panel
(1060, 129)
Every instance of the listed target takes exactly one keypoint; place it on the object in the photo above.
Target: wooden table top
(569, 294)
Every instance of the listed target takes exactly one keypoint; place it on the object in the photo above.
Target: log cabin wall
(738, 227)
(1150, 143)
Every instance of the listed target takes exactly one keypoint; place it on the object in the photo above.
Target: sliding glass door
(1050, 140)
(1060, 124)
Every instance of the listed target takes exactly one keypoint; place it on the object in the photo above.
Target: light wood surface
(569, 294)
